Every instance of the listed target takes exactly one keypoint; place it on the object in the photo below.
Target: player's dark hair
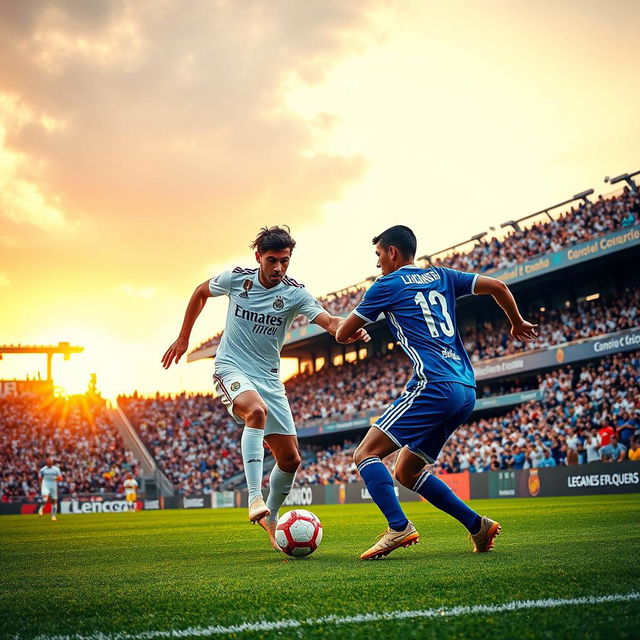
(273, 239)
(400, 237)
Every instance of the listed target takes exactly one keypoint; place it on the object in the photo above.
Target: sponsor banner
(549, 262)
(195, 502)
(151, 505)
(95, 504)
(618, 342)
(585, 479)
(502, 484)
(26, 387)
(223, 500)
(459, 484)
(368, 418)
(301, 497)
(507, 400)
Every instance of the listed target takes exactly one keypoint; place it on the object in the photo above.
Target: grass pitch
(165, 571)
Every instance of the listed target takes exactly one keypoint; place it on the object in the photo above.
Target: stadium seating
(192, 438)
(78, 435)
(339, 392)
(579, 224)
(571, 422)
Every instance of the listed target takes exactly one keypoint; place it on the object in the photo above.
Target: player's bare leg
(285, 451)
(412, 472)
(368, 458)
(252, 410)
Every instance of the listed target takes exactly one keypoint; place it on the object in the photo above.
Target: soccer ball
(299, 533)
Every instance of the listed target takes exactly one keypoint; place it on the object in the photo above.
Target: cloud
(21, 198)
(165, 123)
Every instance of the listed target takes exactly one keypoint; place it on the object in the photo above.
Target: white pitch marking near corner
(273, 625)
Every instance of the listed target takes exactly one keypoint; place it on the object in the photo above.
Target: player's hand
(524, 331)
(360, 334)
(175, 352)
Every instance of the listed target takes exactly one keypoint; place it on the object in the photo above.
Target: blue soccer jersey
(419, 305)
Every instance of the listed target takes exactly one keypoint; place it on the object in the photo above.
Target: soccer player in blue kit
(419, 305)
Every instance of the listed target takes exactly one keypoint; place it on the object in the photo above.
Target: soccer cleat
(391, 540)
(258, 509)
(483, 541)
(54, 518)
(270, 528)
(41, 511)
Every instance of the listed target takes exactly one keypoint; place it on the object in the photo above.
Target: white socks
(252, 458)
(280, 483)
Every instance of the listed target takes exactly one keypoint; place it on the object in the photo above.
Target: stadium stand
(581, 411)
(192, 438)
(581, 223)
(75, 431)
(339, 392)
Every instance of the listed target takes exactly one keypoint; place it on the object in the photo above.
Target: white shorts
(229, 383)
(49, 492)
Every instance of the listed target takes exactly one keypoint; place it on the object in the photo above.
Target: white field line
(272, 625)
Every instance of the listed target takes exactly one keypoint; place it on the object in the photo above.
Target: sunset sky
(142, 144)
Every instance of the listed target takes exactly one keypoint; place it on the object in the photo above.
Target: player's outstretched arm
(520, 328)
(349, 328)
(195, 306)
(331, 324)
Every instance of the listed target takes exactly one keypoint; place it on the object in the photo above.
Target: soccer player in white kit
(49, 476)
(262, 305)
(131, 491)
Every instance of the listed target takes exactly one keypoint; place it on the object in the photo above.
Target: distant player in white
(131, 491)
(49, 476)
(262, 304)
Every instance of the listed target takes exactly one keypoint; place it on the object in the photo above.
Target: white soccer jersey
(258, 320)
(130, 486)
(48, 476)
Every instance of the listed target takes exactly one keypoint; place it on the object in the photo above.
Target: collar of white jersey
(256, 281)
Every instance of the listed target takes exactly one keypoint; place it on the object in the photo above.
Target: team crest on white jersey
(246, 285)
(278, 303)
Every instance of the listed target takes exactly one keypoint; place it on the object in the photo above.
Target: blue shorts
(426, 414)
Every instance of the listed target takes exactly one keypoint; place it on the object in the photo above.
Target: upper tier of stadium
(543, 245)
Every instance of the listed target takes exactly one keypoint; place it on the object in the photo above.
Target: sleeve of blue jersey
(464, 283)
(374, 302)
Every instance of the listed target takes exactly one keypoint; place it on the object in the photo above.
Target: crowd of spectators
(192, 438)
(337, 393)
(74, 431)
(584, 319)
(587, 414)
(581, 223)
(336, 305)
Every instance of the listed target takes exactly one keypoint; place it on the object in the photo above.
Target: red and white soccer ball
(299, 533)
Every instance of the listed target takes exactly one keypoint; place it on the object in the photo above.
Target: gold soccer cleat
(391, 540)
(483, 541)
(257, 509)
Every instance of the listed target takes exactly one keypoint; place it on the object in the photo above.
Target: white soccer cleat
(54, 518)
(484, 540)
(391, 540)
(258, 509)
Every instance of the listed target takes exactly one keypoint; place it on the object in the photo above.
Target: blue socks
(380, 486)
(441, 496)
